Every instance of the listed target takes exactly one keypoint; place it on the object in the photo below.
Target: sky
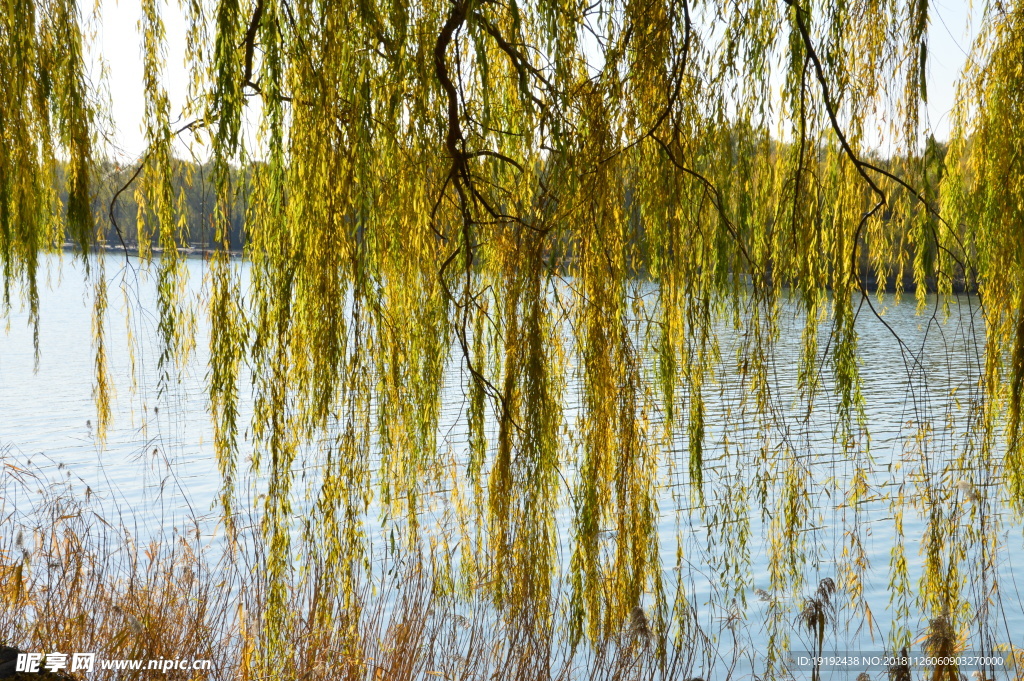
(949, 37)
(121, 54)
(949, 40)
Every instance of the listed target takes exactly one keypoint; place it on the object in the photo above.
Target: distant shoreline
(871, 282)
(191, 251)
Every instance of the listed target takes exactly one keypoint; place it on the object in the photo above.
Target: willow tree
(484, 187)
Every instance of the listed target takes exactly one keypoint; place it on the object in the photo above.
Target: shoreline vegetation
(96, 590)
(117, 214)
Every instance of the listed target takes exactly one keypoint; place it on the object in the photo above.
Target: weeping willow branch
(589, 211)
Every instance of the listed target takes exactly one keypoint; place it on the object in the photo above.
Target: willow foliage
(489, 185)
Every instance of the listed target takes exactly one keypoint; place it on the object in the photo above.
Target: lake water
(156, 471)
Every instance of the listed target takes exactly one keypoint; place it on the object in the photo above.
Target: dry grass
(74, 580)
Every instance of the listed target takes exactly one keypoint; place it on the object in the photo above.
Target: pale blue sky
(950, 36)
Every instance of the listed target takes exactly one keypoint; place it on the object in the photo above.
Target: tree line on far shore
(116, 205)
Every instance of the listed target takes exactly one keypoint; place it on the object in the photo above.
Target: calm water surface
(157, 470)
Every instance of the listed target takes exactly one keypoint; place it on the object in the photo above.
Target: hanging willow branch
(538, 198)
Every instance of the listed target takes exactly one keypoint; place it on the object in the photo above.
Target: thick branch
(250, 45)
(453, 139)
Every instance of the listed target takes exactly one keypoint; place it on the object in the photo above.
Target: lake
(921, 489)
